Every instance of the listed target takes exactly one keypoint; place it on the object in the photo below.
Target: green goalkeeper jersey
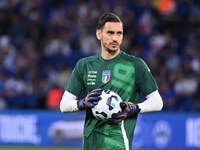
(126, 75)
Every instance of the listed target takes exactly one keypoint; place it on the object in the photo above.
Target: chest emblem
(105, 76)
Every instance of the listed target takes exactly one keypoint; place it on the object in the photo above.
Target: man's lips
(114, 44)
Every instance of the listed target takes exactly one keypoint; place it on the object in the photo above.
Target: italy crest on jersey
(105, 76)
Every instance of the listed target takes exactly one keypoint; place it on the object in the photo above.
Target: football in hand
(109, 104)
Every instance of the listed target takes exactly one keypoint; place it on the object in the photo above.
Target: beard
(111, 50)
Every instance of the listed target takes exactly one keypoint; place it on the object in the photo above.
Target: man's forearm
(152, 103)
(68, 103)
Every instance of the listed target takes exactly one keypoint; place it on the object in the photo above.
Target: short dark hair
(107, 17)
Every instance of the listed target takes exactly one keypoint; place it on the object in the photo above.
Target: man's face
(111, 36)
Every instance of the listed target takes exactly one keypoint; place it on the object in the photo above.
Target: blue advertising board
(40, 128)
(51, 128)
(176, 131)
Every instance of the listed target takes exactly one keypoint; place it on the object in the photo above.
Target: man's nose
(115, 37)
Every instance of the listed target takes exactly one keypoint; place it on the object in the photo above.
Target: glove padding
(90, 100)
(128, 109)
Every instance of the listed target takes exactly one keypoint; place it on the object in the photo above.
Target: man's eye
(119, 33)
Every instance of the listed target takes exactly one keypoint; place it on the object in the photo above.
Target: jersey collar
(110, 60)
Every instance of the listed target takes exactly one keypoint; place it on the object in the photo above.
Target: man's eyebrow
(110, 31)
(120, 32)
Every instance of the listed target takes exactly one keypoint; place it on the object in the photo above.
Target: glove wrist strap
(80, 104)
(137, 109)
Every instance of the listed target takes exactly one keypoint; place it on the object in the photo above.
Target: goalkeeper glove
(90, 100)
(128, 109)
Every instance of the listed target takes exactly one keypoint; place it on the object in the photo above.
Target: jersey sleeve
(74, 84)
(144, 79)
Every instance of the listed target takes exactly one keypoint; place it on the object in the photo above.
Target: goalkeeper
(112, 69)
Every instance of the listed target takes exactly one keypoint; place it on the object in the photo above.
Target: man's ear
(98, 34)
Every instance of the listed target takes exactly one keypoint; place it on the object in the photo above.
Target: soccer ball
(109, 104)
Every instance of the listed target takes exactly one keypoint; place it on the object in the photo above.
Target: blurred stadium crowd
(41, 41)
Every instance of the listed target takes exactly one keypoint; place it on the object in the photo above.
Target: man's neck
(109, 55)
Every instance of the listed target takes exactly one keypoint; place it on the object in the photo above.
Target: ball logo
(109, 102)
(105, 76)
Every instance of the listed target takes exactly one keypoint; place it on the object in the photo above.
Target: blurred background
(41, 41)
